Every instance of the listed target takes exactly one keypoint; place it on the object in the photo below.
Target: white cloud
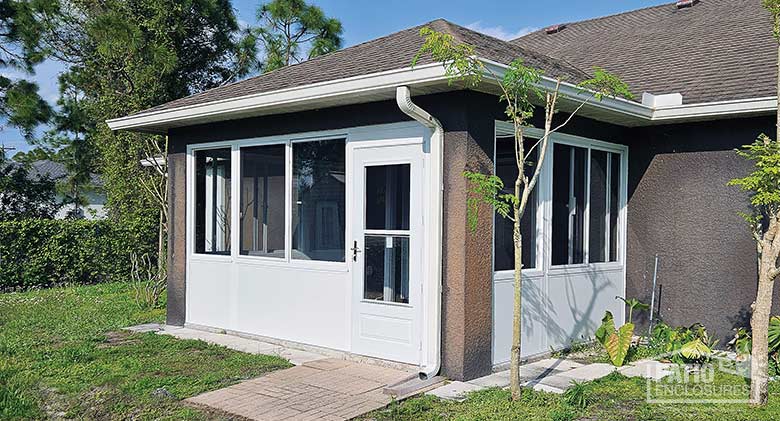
(499, 31)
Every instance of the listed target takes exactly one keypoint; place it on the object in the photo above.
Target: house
(93, 193)
(324, 204)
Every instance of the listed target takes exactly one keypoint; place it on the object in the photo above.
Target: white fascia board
(388, 80)
(573, 92)
(715, 109)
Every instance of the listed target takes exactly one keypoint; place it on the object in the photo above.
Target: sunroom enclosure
(573, 242)
(319, 238)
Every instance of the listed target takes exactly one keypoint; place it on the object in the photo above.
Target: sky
(368, 19)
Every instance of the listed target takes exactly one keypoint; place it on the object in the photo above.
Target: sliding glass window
(584, 178)
(506, 170)
(318, 207)
(212, 201)
(262, 201)
(568, 204)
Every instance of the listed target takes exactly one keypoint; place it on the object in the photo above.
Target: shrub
(41, 252)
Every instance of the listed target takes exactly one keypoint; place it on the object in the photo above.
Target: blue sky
(365, 20)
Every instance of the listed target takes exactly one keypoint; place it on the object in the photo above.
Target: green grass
(614, 397)
(62, 355)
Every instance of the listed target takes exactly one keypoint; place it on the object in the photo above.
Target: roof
(54, 171)
(717, 50)
(390, 52)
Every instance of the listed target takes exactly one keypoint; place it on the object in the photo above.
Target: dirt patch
(118, 338)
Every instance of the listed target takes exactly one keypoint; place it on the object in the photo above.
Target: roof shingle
(390, 52)
(716, 50)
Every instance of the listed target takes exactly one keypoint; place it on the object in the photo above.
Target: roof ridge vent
(686, 3)
(554, 29)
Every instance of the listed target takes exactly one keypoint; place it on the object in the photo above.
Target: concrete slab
(648, 369)
(559, 364)
(500, 379)
(250, 346)
(589, 372)
(454, 391)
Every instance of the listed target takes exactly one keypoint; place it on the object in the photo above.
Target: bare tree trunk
(514, 361)
(759, 324)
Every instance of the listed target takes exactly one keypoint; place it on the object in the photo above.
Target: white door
(386, 252)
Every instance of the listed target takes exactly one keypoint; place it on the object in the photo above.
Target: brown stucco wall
(177, 253)
(681, 208)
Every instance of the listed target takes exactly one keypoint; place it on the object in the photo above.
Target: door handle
(355, 250)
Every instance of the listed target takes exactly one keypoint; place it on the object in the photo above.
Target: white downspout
(431, 363)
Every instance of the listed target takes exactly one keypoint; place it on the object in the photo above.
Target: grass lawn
(62, 355)
(614, 397)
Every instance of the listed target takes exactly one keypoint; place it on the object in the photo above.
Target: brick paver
(327, 389)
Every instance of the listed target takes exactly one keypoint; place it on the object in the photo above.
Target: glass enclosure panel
(506, 169)
(386, 272)
(212, 201)
(318, 200)
(569, 178)
(387, 197)
(614, 207)
(597, 240)
(262, 201)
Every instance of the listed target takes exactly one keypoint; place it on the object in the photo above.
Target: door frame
(414, 155)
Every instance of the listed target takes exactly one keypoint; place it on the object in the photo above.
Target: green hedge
(45, 252)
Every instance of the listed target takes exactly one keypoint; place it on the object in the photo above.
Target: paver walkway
(328, 389)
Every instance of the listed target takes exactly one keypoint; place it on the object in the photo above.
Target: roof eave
(428, 78)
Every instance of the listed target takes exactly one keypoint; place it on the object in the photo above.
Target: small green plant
(743, 344)
(617, 341)
(577, 395)
(683, 344)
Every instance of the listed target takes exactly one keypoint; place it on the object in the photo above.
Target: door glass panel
(386, 263)
(387, 197)
(386, 271)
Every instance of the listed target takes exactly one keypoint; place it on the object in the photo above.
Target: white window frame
(235, 157)
(543, 241)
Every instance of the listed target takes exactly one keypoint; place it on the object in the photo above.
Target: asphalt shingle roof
(390, 52)
(716, 50)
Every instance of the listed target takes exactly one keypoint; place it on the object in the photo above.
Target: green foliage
(459, 59)
(62, 350)
(487, 189)
(577, 395)
(773, 6)
(764, 181)
(38, 252)
(632, 304)
(24, 196)
(20, 49)
(743, 342)
(682, 344)
(289, 26)
(617, 342)
(605, 84)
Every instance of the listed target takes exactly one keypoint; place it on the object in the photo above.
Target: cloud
(499, 31)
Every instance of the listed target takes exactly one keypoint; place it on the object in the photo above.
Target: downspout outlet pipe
(430, 362)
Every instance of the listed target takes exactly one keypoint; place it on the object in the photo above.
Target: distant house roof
(714, 50)
(390, 52)
(55, 171)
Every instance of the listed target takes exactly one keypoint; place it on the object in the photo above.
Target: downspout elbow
(431, 364)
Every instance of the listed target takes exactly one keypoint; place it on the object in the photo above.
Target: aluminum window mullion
(288, 178)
